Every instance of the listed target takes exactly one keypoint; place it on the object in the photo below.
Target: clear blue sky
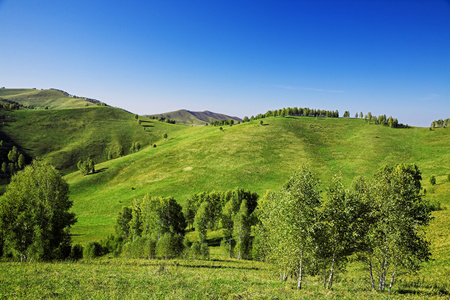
(235, 57)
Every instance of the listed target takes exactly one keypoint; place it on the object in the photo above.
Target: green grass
(178, 279)
(41, 99)
(66, 136)
(250, 156)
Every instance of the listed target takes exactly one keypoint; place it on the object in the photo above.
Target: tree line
(440, 123)
(294, 111)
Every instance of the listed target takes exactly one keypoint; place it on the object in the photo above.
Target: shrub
(433, 180)
(76, 252)
(204, 249)
(92, 250)
(196, 250)
(169, 246)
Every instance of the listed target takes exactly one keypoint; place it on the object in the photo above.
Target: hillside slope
(65, 136)
(40, 99)
(253, 157)
(187, 117)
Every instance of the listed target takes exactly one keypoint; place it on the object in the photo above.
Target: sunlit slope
(66, 136)
(249, 156)
(39, 99)
(187, 117)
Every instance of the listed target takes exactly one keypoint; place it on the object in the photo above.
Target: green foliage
(289, 218)
(433, 180)
(394, 233)
(76, 252)
(92, 250)
(241, 231)
(152, 226)
(169, 245)
(34, 213)
(86, 167)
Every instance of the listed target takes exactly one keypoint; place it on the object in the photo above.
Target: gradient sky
(235, 57)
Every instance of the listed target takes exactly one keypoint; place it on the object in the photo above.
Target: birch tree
(290, 218)
(397, 239)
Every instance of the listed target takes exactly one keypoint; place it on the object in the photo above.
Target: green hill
(204, 158)
(187, 117)
(40, 99)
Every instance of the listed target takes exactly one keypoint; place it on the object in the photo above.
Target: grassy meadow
(205, 158)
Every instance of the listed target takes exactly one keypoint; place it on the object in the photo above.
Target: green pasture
(194, 159)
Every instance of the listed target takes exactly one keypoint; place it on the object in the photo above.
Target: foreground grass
(117, 278)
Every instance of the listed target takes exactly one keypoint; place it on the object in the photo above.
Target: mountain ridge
(188, 117)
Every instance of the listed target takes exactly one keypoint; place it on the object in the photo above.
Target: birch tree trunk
(371, 273)
(300, 274)
(392, 282)
(330, 279)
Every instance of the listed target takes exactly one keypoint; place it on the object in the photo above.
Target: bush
(204, 249)
(433, 180)
(92, 250)
(196, 250)
(76, 252)
(112, 244)
(169, 246)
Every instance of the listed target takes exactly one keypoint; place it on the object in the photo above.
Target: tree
(165, 136)
(34, 214)
(13, 155)
(86, 167)
(122, 227)
(241, 230)
(396, 238)
(340, 214)
(21, 161)
(433, 180)
(201, 221)
(290, 217)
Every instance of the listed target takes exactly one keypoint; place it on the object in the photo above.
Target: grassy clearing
(178, 279)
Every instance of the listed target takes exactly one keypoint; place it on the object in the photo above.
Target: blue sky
(235, 57)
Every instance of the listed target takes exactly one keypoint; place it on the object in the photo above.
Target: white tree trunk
(330, 279)
(392, 282)
(300, 273)
(371, 273)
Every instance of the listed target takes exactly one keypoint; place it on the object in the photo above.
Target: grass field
(254, 157)
(218, 278)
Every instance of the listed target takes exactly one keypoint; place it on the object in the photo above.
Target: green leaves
(34, 213)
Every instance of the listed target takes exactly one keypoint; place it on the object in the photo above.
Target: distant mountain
(184, 116)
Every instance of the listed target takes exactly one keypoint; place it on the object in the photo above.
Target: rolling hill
(204, 158)
(187, 117)
(40, 99)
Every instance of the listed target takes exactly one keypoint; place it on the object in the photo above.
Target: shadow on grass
(157, 262)
(99, 171)
(432, 292)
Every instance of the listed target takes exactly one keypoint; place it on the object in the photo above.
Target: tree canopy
(34, 214)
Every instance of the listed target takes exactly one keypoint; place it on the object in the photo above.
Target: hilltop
(48, 99)
(188, 117)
